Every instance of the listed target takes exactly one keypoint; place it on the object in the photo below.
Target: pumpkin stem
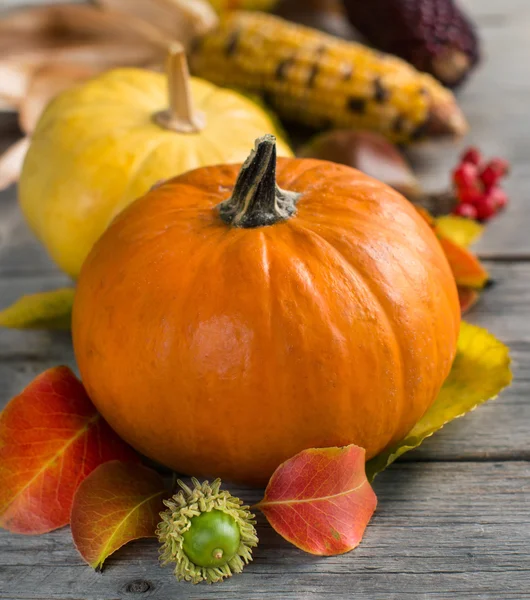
(180, 116)
(257, 201)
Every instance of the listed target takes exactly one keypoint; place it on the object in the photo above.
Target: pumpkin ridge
(448, 304)
(121, 84)
(316, 295)
(285, 171)
(342, 174)
(207, 98)
(391, 326)
(375, 219)
(79, 110)
(435, 263)
(265, 260)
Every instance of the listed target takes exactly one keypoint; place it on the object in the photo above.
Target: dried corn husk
(182, 20)
(11, 162)
(46, 49)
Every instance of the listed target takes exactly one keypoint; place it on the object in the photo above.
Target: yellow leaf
(480, 371)
(459, 230)
(46, 310)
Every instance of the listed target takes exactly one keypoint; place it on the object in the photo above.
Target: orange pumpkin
(221, 326)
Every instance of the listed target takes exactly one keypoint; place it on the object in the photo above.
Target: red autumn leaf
(51, 438)
(117, 503)
(320, 500)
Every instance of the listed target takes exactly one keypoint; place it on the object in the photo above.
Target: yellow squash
(99, 146)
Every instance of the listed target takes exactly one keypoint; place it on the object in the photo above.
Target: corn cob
(322, 81)
(435, 36)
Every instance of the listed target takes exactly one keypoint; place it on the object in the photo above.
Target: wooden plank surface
(439, 533)
(454, 516)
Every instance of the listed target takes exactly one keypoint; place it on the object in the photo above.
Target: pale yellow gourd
(103, 144)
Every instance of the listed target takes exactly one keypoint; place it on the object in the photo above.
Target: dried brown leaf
(14, 81)
(181, 20)
(46, 83)
(65, 24)
(11, 162)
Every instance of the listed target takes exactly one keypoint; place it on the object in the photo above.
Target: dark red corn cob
(433, 35)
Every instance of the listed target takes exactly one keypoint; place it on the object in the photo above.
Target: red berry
(501, 165)
(465, 210)
(500, 197)
(466, 175)
(490, 176)
(486, 208)
(472, 155)
(470, 195)
(496, 169)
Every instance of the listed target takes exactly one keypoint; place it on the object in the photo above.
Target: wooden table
(453, 520)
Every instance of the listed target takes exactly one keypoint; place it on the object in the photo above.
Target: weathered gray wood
(441, 532)
(443, 529)
(19, 251)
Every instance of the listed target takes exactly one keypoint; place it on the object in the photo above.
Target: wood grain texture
(454, 516)
(439, 533)
(477, 513)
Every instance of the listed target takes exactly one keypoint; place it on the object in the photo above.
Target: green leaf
(46, 310)
(462, 232)
(480, 371)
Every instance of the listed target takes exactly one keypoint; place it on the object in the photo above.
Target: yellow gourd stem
(180, 116)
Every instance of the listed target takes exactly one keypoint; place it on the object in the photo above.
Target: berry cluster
(477, 186)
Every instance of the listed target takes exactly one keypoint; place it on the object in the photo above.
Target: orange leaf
(467, 269)
(320, 500)
(117, 503)
(51, 438)
(468, 298)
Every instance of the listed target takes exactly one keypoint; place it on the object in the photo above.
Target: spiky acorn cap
(178, 519)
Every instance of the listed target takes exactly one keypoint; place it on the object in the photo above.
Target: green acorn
(206, 532)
